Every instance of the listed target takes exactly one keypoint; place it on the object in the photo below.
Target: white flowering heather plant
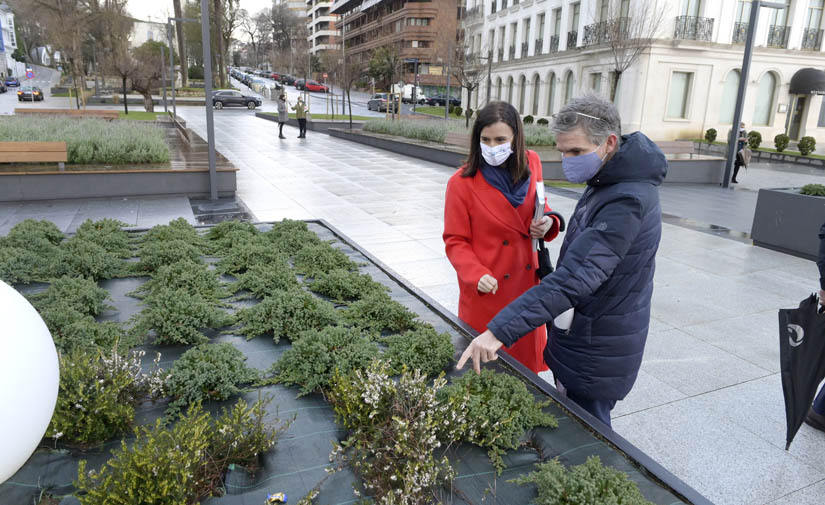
(91, 141)
(436, 131)
(395, 427)
(98, 393)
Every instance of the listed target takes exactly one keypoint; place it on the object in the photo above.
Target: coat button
(506, 242)
(529, 267)
(506, 276)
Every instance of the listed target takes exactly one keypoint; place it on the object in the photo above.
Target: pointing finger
(466, 354)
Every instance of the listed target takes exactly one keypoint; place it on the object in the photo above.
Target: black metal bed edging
(648, 464)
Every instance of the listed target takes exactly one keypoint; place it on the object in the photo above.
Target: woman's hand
(487, 284)
(539, 229)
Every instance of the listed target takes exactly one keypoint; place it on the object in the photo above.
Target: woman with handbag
(489, 226)
(283, 115)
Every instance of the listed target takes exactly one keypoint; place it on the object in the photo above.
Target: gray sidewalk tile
(811, 495)
(647, 392)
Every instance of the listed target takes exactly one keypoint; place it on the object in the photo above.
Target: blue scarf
(499, 177)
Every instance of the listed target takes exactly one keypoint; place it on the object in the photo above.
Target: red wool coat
(484, 234)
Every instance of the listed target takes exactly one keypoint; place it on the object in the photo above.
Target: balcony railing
(538, 47)
(512, 52)
(606, 31)
(778, 36)
(740, 33)
(572, 39)
(554, 44)
(524, 47)
(811, 39)
(694, 28)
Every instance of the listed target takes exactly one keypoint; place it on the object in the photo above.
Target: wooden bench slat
(32, 147)
(33, 157)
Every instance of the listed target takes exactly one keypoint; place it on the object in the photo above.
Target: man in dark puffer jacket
(605, 268)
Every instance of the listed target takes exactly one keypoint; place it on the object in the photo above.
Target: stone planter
(760, 156)
(788, 222)
(321, 125)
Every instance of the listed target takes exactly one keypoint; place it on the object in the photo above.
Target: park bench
(87, 113)
(34, 152)
(676, 147)
(457, 139)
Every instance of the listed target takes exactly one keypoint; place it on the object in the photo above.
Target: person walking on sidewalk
(283, 115)
(605, 267)
(739, 157)
(816, 415)
(489, 227)
(301, 115)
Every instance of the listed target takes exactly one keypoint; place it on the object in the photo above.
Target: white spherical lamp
(29, 378)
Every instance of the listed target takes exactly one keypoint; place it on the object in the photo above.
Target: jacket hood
(639, 159)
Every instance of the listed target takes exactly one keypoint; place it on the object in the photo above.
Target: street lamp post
(743, 82)
(207, 88)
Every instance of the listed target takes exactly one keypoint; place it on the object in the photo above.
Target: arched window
(510, 90)
(536, 91)
(568, 87)
(498, 88)
(522, 89)
(729, 91)
(551, 93)
(764, 100)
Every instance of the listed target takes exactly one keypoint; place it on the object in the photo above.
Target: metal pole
(163, 76)
(207, 85)
(172, 67)
(447, 98)
(415, 86)
(489, 72)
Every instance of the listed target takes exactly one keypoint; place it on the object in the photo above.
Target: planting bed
(236, 312)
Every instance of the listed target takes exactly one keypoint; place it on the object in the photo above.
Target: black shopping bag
(802, 360)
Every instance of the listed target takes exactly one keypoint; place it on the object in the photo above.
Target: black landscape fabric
(802, 359)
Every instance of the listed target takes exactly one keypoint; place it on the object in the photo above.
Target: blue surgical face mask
(495, 156)
(580, 169)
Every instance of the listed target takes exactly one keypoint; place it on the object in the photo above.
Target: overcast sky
(159, 10)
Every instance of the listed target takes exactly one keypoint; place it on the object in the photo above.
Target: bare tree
(184, 65)
(628, 34)
(121, 63)
(468, 70)
(252, 29)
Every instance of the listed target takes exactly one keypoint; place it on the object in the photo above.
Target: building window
(596, 82)
(677, 104)
(815, 14)
(604, 8)
(551, 93)
(821, 121)
(574, 18)
(150, 35)
(510, 90)
(568, 87)
(743, 11)
(624, 8)
(729, 92)
(418, 22)
(522, 90)
(540, 34)
(536, 91)
(764, 100)
(498, 88)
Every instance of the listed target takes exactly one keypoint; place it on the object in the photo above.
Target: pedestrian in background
(739, 158)
(605, 268)
(489, 227)
(301, 115)
(283, 115)
(816, 415)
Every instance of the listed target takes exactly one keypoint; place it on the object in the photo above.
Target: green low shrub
(158, 253)
(316, 259)
(806, 145)
(79, 293)
(754, 139)
(177, 317)
(421, 349)
(184, 463)
(267, 279)
(377, 312)
(79, 257)
(228, 234)
(85, 334)
(248, 254)
(92, 141)
(590, 482)
(528, 119)
(191, 276)
(813, 190)
(98, 393)
(395, 427)
(501, 409)
(195, 72)
(436, 131)
(108, 234)
(22, 266)
(781, 142)
(456, 110)
(291, 236)
(286, 314)
(342, 285)
(208, 372)
(177, 229)
(543, 122)
(710, 135)
(316, 356)
(469, 112)
(33, 235)
(537, 135)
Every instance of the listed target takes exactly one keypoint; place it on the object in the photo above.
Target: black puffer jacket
(605, 271)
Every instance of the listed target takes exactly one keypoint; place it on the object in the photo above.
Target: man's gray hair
(598, 117)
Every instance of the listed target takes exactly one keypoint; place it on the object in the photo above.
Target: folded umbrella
(802, 360)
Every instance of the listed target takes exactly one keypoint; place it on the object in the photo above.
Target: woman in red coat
(489, 227)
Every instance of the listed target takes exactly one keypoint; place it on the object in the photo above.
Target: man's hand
(482, 349)
(487, 284)
(539, 229)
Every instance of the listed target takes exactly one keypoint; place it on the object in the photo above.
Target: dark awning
(808, 81)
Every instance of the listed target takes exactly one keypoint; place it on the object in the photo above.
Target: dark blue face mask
(580, 169)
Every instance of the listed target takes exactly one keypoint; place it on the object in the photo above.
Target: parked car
(30, 94)
(230, 97)
(379, 102)
(441, 100)
(275, 75)
(287, 79)
(11, 81)
(315, 86)
(299, 84)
